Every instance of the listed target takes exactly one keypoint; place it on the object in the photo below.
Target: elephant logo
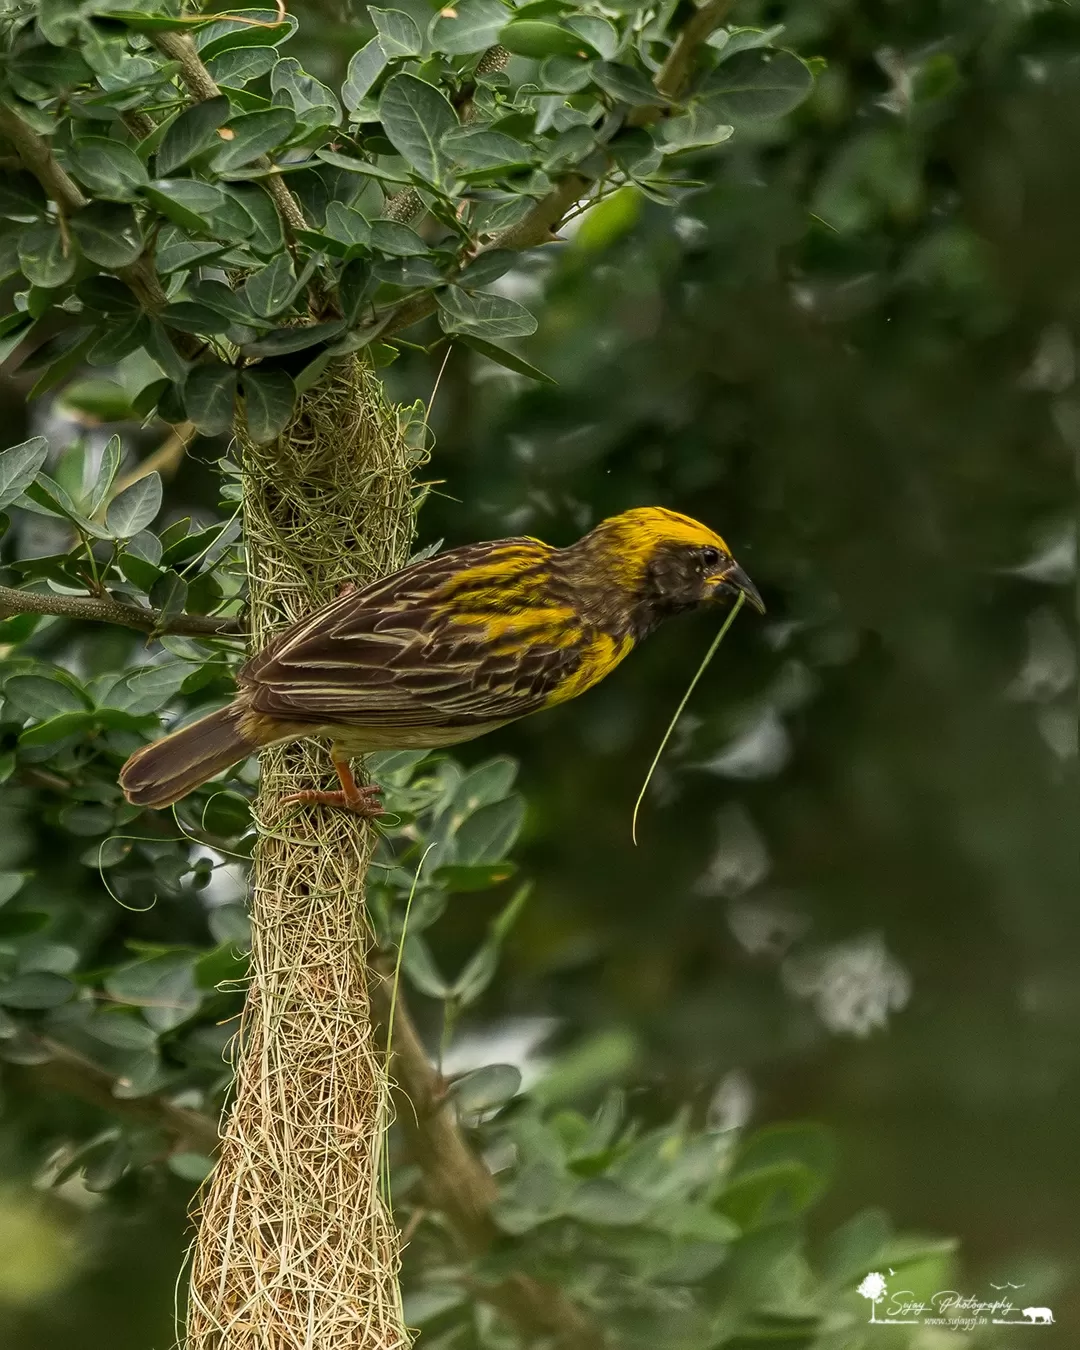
(1039, 1316)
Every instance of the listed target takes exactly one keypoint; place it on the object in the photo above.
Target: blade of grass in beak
(679, 710)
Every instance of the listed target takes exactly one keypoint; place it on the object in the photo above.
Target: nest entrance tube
(295, 1245)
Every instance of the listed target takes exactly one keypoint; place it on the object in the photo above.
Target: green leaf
(416, 117)
(543, 37)
(418, 965)
(284, 340)
(195, 130)
(43, 257)
(105, 1166)
(361, 166)
(698, 127)
(235, 67)
(489, 833)
(485, 1089)
(476, 151)
(600, 34)
(398, 34)
(488, 266)
(395, 239)
(269, 290)
(108, 168)
(209, 396)
(140, 22)
(193, 1167)
(35, 72)
(50, 494)
(43, 696)
(264, 26)
(107, 233)
(459, 877)
(163, 986)
(36, 990)
(347, 225)
(422, 272)
(150, 688)
(254, 134)
(627, 84)
(121, 1030)
(21, 196)
(176, 253)
(185, 201)
(189, 317)
(483, 315)
(509, 359)
(21, 923)
(604, 1201)
(757, 84)
(365, 67)
(108, 295)
(309, 99)
(472, 26)
(566, 74)
(216, 295)
(729, 41)
(779, 1171)
(19, 466)
(488, 782)
(855, 1247)
(134, 508)
(107, 470)
(138, 571)
(11, 883)
(269, 396)
(56, 728)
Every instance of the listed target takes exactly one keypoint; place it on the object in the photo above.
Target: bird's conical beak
(735, 581)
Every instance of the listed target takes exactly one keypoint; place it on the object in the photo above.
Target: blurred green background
(851, 351)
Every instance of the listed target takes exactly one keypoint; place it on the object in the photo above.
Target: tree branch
(34, 152)
(673, 75)
(105, 610)
(37, 156)
(70, 1072)
(180, 48)
(460, 1186)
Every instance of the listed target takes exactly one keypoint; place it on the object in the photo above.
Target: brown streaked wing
(391, 654)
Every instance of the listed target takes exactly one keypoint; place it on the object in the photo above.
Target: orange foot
(351, 796)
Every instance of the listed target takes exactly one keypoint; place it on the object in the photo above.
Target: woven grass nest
(296, 1247)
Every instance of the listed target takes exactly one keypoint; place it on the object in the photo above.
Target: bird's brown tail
(166, 770)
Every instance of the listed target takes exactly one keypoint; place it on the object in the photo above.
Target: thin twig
(166, 459)
(105, 610)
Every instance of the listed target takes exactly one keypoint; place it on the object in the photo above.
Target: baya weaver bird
(449, 648)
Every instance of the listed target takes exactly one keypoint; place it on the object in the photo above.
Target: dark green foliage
(187, 196)
(127, 944)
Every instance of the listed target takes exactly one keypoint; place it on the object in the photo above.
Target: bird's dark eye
(710, 556)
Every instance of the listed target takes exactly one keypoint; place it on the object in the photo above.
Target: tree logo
(873, 1288)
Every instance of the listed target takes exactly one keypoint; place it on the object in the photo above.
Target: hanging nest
(295, 1246)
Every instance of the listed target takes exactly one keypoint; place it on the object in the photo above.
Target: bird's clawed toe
(364, 801)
